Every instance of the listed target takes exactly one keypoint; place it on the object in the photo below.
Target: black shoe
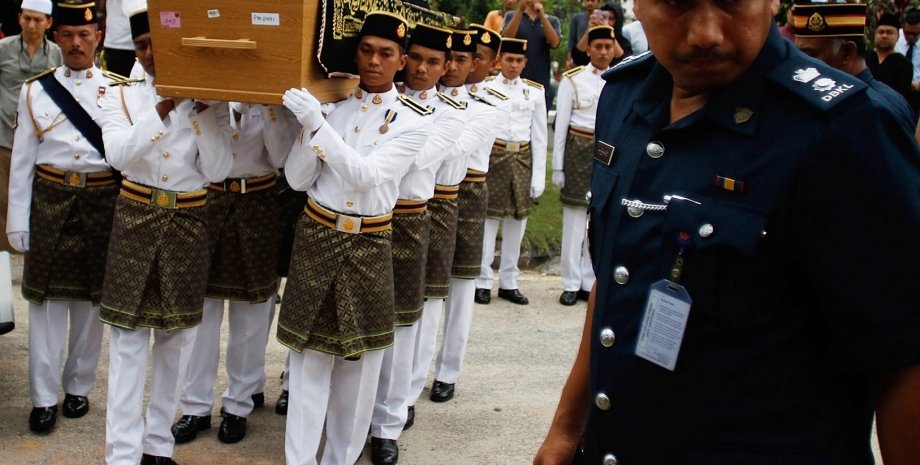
(42, 419)
(483, 296)
(584, 295)
(232, 429)
(75, 406)
(568, 298)
(410, 418)
(157, 460)
(441, 392)
(188, 426)
(258, 400)
(384, 451)
(514, 296)
(282, 404)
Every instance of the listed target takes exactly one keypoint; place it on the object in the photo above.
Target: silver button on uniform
(706, 230)
(621, 275)
(654, 149)
(607, 337)
(635, 212)
(611, 459)
(588, 196)
(602, 401)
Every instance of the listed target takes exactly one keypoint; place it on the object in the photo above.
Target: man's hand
(557, 449)
(305, 107)
(559, 178)
(538, 8)
(164, 107)
(19, 240)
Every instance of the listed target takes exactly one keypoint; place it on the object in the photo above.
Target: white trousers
(331, 389)
(575, 261)
(390, 408)
(508, 271)
(458, 317)
(425, 341)
(47, 335)
(245, 357)
(126, 436)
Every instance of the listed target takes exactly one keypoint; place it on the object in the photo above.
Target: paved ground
(516, 364)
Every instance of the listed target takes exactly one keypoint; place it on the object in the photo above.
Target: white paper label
(213, 14)
(662, 331)
(266, 19)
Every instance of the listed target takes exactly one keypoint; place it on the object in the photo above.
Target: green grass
(544, 226)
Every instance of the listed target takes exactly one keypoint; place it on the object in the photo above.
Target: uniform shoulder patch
(574, 71)
(125, 81)
(643, 61)
(819, 85)
(533, 83)
(446, 99)
(113, 76)
(496, 93)
(481, 99)
(41, 74)
(415, 106)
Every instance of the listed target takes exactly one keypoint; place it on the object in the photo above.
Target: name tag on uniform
(662, 329)
(603, 152)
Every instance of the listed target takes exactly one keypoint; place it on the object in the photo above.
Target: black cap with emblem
(510, 45)
(829, 20)
(432, 37)
(75, 14)
(464, 41)
(140, 25)
(487, 37)
(387, 26)
(600, 32)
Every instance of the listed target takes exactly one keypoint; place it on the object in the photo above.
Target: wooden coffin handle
(241, 44)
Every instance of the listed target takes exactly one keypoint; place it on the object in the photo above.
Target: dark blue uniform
(800, 256)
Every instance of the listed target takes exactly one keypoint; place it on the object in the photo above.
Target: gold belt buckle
(512, 146)
(164, 199)
(348, 224)
(74, 179)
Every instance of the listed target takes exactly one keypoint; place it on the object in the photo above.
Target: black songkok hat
(829, 20)
(387, 26)
(75, 14)
(600, 32)
(510, 45)
(487, 37)
(432, 37)
(140, 25)
(464, 41)
(889, 19)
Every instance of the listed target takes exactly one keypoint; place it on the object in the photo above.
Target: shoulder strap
(75, 113)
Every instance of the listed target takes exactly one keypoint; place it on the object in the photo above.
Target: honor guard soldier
(517, 167)
(62, 199)
(753, 226)
(429, 55)
(21, 56)
(168, 152)
(475, 142)
(572, 149)
(242, 219)
(338, 310)
(835, 34)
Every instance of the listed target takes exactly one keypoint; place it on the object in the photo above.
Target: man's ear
(403, 59)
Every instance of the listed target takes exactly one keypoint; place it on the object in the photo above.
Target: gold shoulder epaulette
(417, 107)
(489, 78)
(113, 76)
(573, 71)
(496, 93)
(43, 73)
(481, 99)
(125, 81)
(533, 83)
(451, 102)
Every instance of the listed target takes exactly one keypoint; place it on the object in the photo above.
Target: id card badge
(662, 329)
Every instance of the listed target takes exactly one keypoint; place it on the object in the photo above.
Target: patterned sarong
(577, 165)
(473, 200)
(509, 184)
(410, 250)
(441, 243)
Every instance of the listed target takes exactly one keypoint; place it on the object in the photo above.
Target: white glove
(19, 240)
(559, 178)
(536, 192)
(305, 107)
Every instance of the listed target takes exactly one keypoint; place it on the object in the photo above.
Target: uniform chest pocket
(711, 224)
(585, 102)
(603, 180)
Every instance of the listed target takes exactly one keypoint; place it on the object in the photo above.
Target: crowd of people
(751, 212)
